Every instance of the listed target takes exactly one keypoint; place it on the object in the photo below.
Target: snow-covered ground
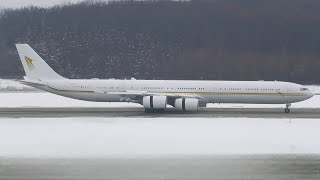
(11, 85)
(122, 137)
(42, 99)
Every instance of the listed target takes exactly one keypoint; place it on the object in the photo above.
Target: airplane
(155, 95)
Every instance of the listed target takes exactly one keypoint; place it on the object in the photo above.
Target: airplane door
(286, 94)
(67, 86)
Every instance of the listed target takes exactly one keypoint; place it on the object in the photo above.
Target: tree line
(213, 40)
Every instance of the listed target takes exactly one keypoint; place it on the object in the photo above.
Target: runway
(110, 112)
(201, 167)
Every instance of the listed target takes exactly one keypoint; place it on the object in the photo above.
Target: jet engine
(186, 104)
(154, 102)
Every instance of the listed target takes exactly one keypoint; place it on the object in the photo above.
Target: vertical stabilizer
(34, 66)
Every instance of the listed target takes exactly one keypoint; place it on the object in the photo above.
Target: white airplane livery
(155, 95)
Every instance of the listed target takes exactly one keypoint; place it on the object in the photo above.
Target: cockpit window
(304, 89)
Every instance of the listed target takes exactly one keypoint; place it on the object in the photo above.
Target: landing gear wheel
(286, 110)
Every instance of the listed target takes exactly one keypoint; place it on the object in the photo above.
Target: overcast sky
(42, 3)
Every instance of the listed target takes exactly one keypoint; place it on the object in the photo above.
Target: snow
(122, 137)
(25, 3)
(11, 85)
(42, 99)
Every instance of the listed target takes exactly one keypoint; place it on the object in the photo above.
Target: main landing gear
(287, 110)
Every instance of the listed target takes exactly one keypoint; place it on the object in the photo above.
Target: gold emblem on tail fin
(29, 63)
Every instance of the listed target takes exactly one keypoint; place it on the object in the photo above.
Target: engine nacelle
(186, 104)
(154, 102)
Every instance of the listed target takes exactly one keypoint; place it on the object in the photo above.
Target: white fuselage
(255, 92)
(154, 95)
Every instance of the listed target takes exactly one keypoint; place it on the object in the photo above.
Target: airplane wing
(146, 93)
(31, 83)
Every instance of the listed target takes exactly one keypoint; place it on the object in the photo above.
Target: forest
(197, 39)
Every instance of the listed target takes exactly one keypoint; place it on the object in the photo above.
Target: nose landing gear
(287, 110)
